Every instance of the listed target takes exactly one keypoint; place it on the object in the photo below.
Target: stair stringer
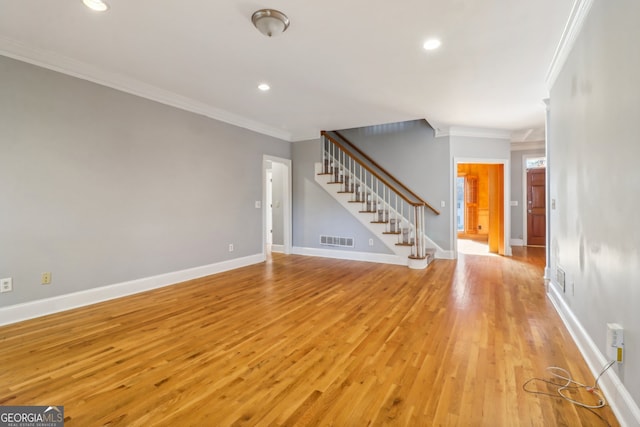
(389, 240)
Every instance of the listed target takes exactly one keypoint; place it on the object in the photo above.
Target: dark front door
(536, 207)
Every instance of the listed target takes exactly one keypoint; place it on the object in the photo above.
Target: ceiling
(341, 64)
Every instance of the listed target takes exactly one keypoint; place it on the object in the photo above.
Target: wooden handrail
(371, 171)
(383, 170)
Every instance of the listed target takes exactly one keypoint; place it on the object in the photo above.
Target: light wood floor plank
(301, 341)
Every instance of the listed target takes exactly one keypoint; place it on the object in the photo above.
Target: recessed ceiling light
(97, 5)
(264, 87)
(431, 44)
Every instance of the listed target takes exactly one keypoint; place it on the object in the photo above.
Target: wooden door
(536, 207)
(496, 209)
(471, 204)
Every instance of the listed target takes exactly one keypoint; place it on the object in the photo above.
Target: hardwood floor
(308, 341)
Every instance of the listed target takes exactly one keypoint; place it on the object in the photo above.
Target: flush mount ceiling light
(264, 87)
(97, 5)
(431, 44)
(270, 22)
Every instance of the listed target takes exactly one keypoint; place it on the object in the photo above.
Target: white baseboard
(516, 242)
(617, 395)
(277, 248)
(351, 255)
(32, 309)
(442, 254)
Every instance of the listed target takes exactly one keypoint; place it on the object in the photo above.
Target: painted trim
(287, 203)
(63, 64)
(572, 29)
(475, 132)
(29, 310)
(626, 410)
(507, 203)
(277, 248)
(351, 255)
(307, 136)
(517, 242)
(442, 254)
(523, 146)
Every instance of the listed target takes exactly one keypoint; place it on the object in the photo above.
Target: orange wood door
(536, 207)
(496, 209)
(471, 204)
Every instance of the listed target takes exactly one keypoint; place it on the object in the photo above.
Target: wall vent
(343, 242)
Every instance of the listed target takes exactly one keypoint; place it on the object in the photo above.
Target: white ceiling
(341, 64)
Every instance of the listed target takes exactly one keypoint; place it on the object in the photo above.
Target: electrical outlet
(6, 285)
(231, 247)
(615, 342)
(45, 278)
(370, 242)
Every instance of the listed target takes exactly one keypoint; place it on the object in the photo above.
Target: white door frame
(286, 202)
(506, 196)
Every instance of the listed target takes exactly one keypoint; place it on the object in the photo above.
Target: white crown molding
(307, 136)
(475, 132)
(65, 65)
(529, 145)
(578, 15)
(32, 309)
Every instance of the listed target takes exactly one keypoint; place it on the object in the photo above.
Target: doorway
(534, 200)
(481, 216)
(276, 205)
(536, 207)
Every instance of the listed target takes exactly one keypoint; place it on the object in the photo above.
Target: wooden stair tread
(379, 222)
(356, 201)
(336, 182)
(390, 232)
(345, 192)
(404, 244)
(368, 211)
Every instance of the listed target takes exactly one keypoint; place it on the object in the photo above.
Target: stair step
(390, 232)
(335, 182)
(367, 211)
(345, 192)
(404, 244)
(379, 222)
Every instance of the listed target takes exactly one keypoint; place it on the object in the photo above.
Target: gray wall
(593, 162)
(517, 212)
(100, 187)
(316, 212)
(410, 152)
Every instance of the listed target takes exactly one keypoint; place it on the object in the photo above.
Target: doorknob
(529, 211)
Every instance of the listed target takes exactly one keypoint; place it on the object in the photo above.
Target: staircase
(377, 199)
